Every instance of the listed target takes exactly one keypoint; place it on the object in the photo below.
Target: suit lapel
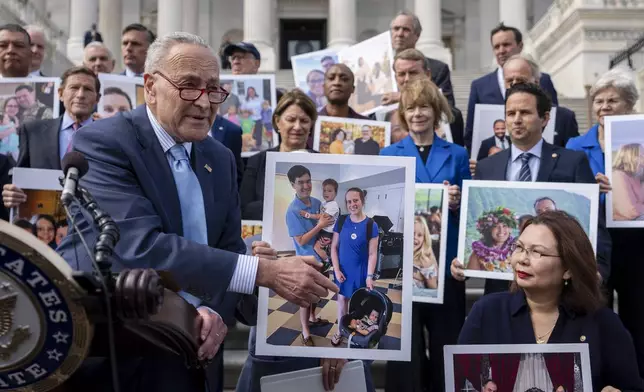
(201, 163)
(495, 88)
(501, 161)
(438, 155)
(548, 161)
(52, 138)
(158, 169)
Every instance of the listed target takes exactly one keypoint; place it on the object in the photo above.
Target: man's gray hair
(418, 28)
(621, 80)
(98, 44)
(36, 29)
(159, 49)
(534, 67)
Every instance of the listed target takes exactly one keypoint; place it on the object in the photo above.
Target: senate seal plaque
(44, 332)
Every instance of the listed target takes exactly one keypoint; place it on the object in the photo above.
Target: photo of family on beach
(492, 213)
(430, 239)
(350, 136)
(350, 216)
(625, 170)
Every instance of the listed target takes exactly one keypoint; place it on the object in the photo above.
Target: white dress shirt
(502, 144)
(514, 166)
(501, 80)
(243, 280)
(130, 73)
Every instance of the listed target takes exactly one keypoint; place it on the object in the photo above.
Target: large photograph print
(492, 213)
(119, 93)
(490, 135)
(430, 240)
(250, 105)
(625, 170)
(354, 214)
(309, 70)
(518, 368)
(335, 135)
(371, 61)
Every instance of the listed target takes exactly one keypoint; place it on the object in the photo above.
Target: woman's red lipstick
(523, 275)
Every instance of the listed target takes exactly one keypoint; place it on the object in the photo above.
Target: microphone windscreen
(77, 160)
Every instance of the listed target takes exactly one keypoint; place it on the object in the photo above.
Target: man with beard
(15, 51)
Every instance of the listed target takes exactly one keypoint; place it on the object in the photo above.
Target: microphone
(74, 166)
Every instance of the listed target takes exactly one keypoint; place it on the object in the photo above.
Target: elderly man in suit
(98, 57)
(15, 51)
(490, 89)
(38, 48)
(405, 30)
(531, 159)
(43, 143)
(172, 190)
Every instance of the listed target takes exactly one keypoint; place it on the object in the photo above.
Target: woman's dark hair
(24, 224)
(582, 294)
(47, 218)
(355, 189)
(118, 91)
(336, 132)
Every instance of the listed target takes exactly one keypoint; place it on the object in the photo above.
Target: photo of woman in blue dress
(354, 256)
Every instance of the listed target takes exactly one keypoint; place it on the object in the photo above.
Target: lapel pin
(221, 128)
(554, 155)
(208, 168)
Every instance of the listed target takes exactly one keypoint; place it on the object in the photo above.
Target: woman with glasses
(556, 298)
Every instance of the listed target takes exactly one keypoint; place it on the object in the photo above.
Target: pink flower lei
(490, 254)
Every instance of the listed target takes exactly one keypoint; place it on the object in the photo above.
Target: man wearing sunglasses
(172, 190)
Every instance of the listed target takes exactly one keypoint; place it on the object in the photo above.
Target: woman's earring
(566, 282)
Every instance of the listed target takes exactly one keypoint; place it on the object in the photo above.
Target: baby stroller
(361, 304)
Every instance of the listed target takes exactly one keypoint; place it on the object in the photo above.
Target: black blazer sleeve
(442, 78)
(23, 147)
(458, 127)
(252, 197)
(233, 140)
(5, 178)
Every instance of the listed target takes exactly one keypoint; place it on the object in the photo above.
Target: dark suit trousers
(443, 323)
(626, 278)
(160, 373)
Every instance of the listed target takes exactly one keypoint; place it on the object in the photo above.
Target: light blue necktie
(193, 213)
(525, 174)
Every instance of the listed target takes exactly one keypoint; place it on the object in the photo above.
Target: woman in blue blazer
(615, 93)
(421, 108)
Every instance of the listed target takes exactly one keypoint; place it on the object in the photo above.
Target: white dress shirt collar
(132, 74)
(535, 151)
(166, 141)
(501, 81)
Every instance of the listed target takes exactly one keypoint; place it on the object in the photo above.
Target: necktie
(524, 173)
(193, 213)
(75, 127)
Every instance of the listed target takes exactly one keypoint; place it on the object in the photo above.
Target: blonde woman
(425, 264)
(628, 167)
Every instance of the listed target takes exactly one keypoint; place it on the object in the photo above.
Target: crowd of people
(189, 222)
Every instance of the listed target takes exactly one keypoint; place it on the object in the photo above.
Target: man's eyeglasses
(193, 94)
(518, 249)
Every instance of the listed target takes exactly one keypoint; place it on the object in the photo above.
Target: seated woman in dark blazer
(556, 298)
(294, 120)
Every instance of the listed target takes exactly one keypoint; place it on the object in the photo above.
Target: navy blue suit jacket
(504, 318)
(130, 178)
(486, 144)
(557, 165)
(446, 162)
(230, 135)
(486, 90)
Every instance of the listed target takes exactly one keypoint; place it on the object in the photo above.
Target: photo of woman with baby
(250, 105)
(340, 211)
(492, 214)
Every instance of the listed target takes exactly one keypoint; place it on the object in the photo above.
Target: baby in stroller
(366, 324)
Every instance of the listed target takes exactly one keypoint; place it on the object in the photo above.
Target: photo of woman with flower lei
(492, 213)
(492, 251)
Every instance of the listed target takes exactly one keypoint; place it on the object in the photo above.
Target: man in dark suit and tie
(172, 190)
(405, 30)
(92, 35)
(499, 140)
(43, 143)
(489, 89)
(531, 159)
(135, 41)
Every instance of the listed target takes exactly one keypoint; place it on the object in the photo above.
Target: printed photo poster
(430, 242)
(309, 70)
(624, 154)
(119, 93)
(518, 367)
(489, 121)
(42, 208)
(333, 135)
(250, 105)
(364, 203)
(23, 100)
(371, 62)
(492, 213)
(390, 114)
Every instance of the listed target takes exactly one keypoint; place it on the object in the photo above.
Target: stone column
(169, 17)
(191, 16)
(204, 22)
(489, 18)
(258, 30)
(342, 23)
(431, 39)
(110, 14)
(131, 13)
(514, 13)
(82, 14)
